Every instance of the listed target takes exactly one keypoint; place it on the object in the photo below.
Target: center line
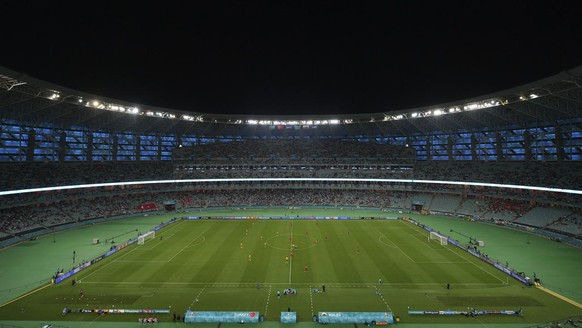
(291, 256)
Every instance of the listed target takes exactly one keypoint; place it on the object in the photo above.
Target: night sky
(290, 57)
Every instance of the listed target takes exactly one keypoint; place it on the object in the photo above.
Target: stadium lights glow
(193, 118)
(296, 122)
(153, 182)
(55, 95)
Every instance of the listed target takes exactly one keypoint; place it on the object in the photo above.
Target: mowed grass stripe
(134, 266)
(317, 256)
(216, 261)
(470, 271)
(219, 257)
(262, 258)
(336, 250)
(420, 268)
(373, 260)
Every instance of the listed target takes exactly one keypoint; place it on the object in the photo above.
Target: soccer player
(241, 245)
(305, 269)
(250, 257)
(286, 259)
(81, 293)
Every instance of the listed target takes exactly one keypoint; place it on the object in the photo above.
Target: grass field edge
(27, 294)
(562, 297)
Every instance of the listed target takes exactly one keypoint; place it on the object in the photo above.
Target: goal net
(148, 235)
(441, 238)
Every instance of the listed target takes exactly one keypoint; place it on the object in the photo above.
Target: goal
(441, 238)
(148, 235)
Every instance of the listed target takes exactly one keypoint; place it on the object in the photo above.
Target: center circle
(283, 242)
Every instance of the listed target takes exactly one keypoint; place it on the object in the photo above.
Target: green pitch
(218, 265)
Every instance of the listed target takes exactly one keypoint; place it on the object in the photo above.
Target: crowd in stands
(547, 174)
(293, 171)
(568, 223)
(18, 219)
(15, 176)
(292, 158)
(510, 209)
(295, 159)
(315, 151)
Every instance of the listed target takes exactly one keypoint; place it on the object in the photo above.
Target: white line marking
(311, 300)
(198, 296)
(246, 285)
(156, 245)
(121, 256)
(425, 243)
(480, 268)
(379, 292)
(403, 252)
(291, 247)
(268, 297)
(193, 240)
(25, 295)
(108, 264)
(383, 243)
(141, 261)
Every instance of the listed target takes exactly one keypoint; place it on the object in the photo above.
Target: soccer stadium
(461, 214)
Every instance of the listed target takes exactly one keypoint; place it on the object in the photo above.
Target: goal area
(148, 235)
(434, 235)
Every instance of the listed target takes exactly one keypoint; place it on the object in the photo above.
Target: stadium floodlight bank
(441, 238)
(148, 235)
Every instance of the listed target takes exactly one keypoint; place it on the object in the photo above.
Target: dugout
(170, 205)
(417, 205)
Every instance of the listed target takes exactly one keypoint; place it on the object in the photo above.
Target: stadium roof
(541, 103)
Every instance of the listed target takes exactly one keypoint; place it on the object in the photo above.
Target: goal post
(442, 239)
(148, 235)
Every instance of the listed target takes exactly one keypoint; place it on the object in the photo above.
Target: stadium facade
(42, 122)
